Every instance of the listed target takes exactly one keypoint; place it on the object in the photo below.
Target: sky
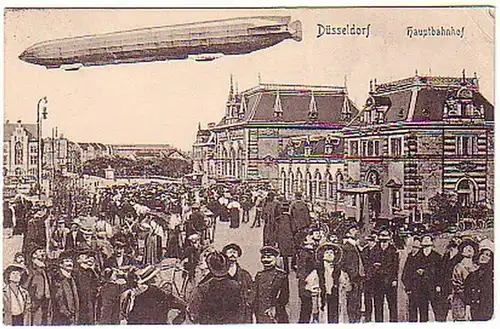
(163, 102)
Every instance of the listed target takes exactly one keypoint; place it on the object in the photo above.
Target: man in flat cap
(87, 282)
(407, 276)
(271, 288)
(66, 300)
(244, 279)
(38, 287)
(368, 286)
(352, 264)
(385, 268)
(425, 279)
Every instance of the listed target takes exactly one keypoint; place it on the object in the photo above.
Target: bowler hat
(65, 255)
(218, 264)
(427, 240)
(233, 246)
(329, 246)
(269, 250)
(349, 226)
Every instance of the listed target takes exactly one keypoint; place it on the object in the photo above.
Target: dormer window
(307, 150)
(328, 149)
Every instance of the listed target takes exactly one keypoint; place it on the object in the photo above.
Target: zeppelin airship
(202, 41)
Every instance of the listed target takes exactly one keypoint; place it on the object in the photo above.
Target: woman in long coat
(479, 288)
(270, 212)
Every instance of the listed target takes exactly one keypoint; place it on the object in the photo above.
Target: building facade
(250, 140)
(415, 138)
(20, 150)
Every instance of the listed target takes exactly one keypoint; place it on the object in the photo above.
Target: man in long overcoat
(38, 286)
(243, 278)
(270, 211)
(66, 302)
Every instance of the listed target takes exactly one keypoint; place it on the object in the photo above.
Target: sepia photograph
(283, 165)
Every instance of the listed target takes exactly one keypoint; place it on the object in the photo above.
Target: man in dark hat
(16, 299)
(119, 258)
(385, 268)
(368, 286)
(329, 256)
(38, 287)
(74, 236)
(244, 279)
(270, 212)
(219, 300)
(299, 213)
(151, 305)
(271, 288)
(450, 259)
(425, 279)
(407, 275)
(66, 300)
(352, 264)
(306, 263)
(196, 221)
(87, 282)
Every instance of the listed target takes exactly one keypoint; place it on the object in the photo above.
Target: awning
(360, 190)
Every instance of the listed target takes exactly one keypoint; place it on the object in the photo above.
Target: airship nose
(27, 56)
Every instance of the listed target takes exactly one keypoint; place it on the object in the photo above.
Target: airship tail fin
(296, 30)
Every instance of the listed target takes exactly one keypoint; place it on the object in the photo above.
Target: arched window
(283, 182)
(18, 157)
(233, 163)
(330, 186)
(319, 184)
(339, 179)
(309, 186)
(466, 189)
(224, 162)
(299, 181)
(291, 183)
(373, 178)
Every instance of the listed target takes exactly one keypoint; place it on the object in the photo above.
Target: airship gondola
(205, 41)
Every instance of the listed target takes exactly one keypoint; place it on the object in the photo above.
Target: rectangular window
(33, 160)
(376, 146)
(354, 148)
(33, 149)
(370, 148)
(465, 145)
(364, 151)
(396, 199)
(396, 146)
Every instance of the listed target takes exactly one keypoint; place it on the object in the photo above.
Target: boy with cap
(385, 277)
(329, 256)
(271, 288)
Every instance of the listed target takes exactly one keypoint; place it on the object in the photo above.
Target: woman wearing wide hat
(16, 299)
(329, 256)
(479, 292)
(469, 250)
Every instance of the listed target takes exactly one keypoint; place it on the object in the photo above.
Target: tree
(445, 206)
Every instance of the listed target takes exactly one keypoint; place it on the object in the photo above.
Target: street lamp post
(41, 113)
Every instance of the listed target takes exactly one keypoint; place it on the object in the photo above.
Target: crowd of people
(109, 264)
